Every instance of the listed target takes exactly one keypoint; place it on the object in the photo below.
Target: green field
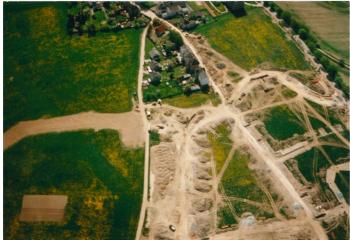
(336, 154)
(102, 179)
(48, 73)
(278, 118)
(194, 100)
(221, 144)
(342, 180)
(239, 181)
(310, 163)
(225, 217)
(252, 40)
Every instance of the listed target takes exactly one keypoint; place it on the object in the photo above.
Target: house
(188, 59)
(155, 77)
(155, 66)
(154, 54)
(189, 26)
(170, 12)
(160, 30)
(203, 80)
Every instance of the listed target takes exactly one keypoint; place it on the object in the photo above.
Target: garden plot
(44, 74)
(100, 176)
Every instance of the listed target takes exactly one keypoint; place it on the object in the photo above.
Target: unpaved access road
(130, 126)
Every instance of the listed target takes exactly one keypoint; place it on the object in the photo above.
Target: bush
(286, 16)
(176, 39)
(279, 12)
(294, 24)
(303, 33)
(332, 71)
(266, 4)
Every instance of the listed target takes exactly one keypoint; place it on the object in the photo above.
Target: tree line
(309, 39)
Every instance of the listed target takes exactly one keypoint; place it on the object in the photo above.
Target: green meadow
(49, 73)
(101, 177)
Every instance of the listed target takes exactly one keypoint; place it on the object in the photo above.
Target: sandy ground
(130, 126)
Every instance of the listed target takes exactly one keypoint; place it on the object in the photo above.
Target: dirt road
(131, 133)
(145, 135)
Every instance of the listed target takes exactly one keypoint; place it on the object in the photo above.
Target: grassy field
(103, 181)
(342, 180)
(194, 100)
(221, 144)
(327, 20)
(252, 40)
(276, 120)
(310, 163)
(48, 73)
(239, 181)
(225, 217)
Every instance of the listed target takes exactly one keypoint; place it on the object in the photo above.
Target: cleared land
(131, 133)
(328, 20)
(102, 179)
(252, 40)
(48, 73)
(282, 123)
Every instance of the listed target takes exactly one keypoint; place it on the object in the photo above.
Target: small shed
(203, 80)
(195, 88)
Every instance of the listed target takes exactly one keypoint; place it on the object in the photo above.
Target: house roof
(154, 53)
(161, 29)
(203, 78)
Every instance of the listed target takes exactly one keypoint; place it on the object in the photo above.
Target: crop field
(276, 120)
(194, 100)
(332, 28)
(252, 40)
(221, 144)
(102, 179)
(48, 73)
(239, 181)
(342, 180)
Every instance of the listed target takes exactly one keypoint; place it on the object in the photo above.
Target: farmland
(221, 144)
(332, 28)
(278, 118)
(252, 40)
(103, 181)
(48, 73)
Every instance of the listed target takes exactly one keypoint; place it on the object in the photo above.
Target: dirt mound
(201, 228)
(162, 232)
(163, 156)
(202, 174)
(202, 204)
(202, 186)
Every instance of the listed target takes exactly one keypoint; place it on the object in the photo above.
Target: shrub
(176, 39)
(294, 24)
(303, 34)
(286, 16)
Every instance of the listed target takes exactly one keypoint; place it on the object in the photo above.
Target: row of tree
(309, 39)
